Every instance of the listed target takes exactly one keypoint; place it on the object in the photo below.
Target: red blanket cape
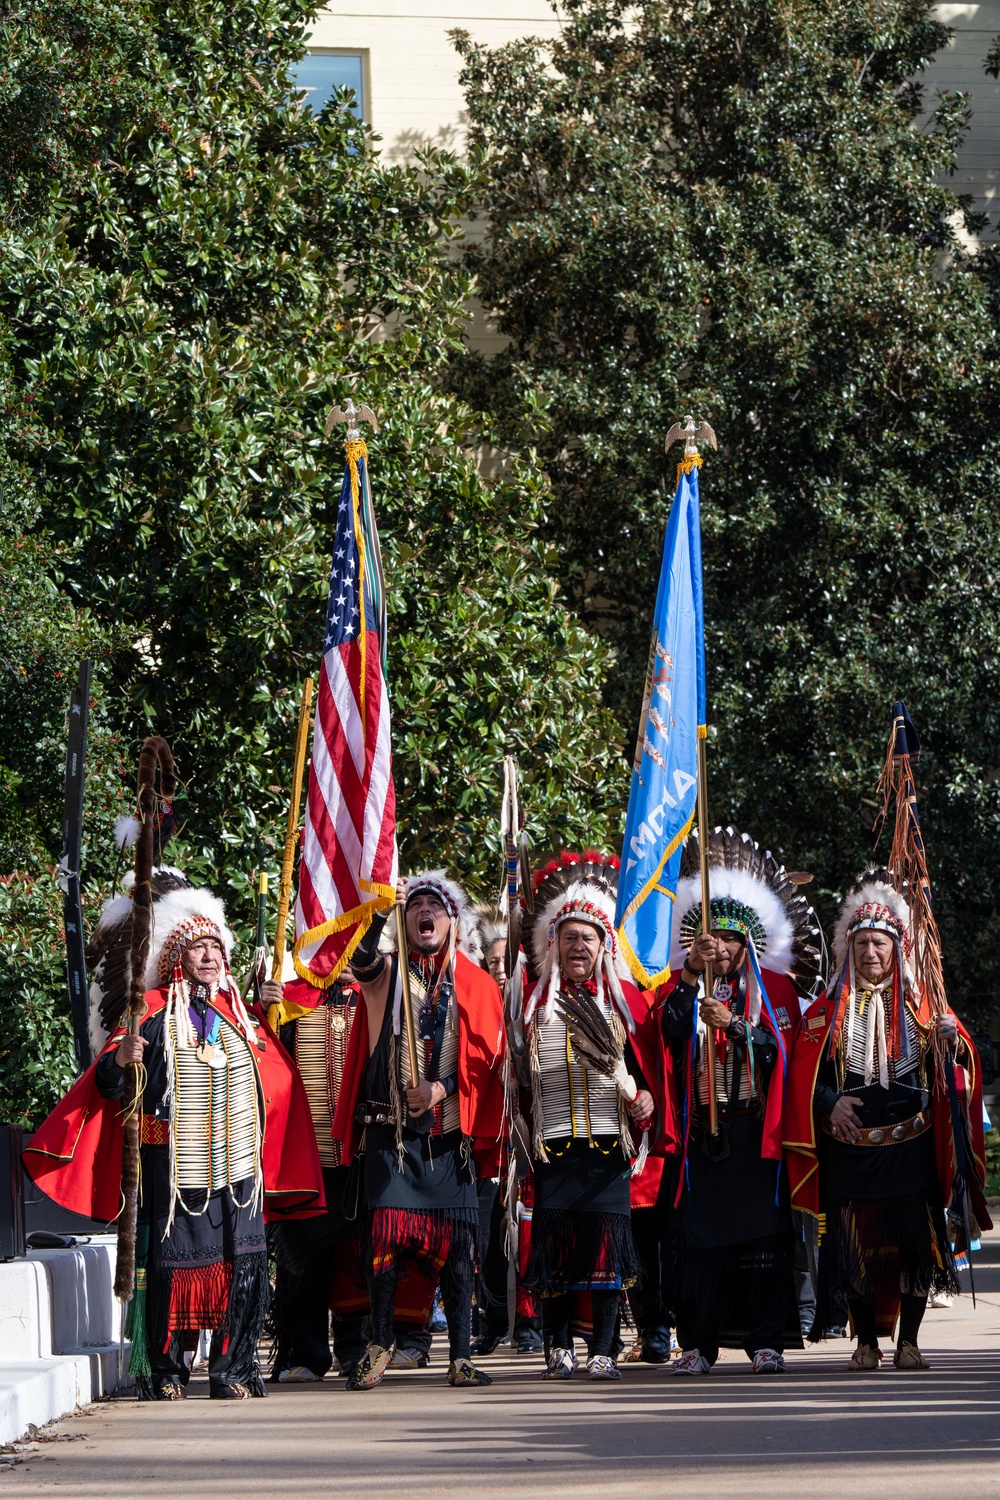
(800, 1128)
(481, 1044)
(75, 1157)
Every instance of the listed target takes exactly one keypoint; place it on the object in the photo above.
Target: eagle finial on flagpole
(693, 433)
(352, 415)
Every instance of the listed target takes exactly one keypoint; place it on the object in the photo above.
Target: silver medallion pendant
(723, 991)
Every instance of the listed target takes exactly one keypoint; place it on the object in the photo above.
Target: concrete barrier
(59, 1333)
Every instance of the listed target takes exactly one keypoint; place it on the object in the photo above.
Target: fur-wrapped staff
(154, 757)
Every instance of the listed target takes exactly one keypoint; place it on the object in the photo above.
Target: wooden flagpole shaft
(404, 979)
(291, 830)
(706, 927)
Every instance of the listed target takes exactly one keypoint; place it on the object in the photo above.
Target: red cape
(75, 1157)
(801, 1130)
(481, 1043)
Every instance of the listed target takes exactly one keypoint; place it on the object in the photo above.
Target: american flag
(349, 864)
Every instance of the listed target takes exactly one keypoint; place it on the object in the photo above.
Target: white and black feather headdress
(752, 894)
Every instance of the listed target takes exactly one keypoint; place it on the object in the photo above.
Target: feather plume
(593, 1040)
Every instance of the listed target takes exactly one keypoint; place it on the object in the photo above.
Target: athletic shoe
(562, 1363)
(600, 1367)
(298, 1375)
(464, 1372)
(693, 1362)
(940, 1299)
(768, 1362)
(409, 1359)
(371, 1369)
(865, 1357)
(909, 1357)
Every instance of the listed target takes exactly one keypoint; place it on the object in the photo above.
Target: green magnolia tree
(736, 208)
(203, 274)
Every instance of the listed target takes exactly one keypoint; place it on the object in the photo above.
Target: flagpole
(690, 431)
(706, 927)
(291, 830)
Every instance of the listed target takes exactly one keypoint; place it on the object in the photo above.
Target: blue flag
(663, 800)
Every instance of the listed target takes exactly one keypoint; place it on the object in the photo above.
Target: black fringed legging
(457, 1280)
(557, 1314)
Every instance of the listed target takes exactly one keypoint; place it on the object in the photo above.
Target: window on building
(323, 71)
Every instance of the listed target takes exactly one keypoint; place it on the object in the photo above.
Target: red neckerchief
(569, 986)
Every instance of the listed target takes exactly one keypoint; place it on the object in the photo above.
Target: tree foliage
(202, 274)
(736, 208)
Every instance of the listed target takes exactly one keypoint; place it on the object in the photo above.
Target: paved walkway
(819, 1432)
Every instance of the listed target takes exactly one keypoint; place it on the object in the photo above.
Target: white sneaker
(562, 1363)
(768, 1362)
(409, 1359)
(693, 1362)
(297, 1375)
(600, 1367)
(940, 1299)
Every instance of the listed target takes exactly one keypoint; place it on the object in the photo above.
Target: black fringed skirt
(208, 1272)
(581, 1225)
(885, 1225)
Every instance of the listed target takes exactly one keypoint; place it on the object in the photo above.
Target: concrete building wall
(961, 67)
(412, 66)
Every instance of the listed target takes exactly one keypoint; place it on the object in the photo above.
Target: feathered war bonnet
(873, 905)
(752, 895)
(574, 888)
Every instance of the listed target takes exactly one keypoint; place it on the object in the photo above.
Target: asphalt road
(818, 1431)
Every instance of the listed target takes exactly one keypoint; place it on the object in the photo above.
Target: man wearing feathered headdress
(595, 1068)
(224, 1143)
(423, 1138)
(731, 1219)
(870, 1133)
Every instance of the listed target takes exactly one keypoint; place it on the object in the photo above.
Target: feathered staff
(908, 864)
(154, 757)
(908, 858)
(515, 896)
